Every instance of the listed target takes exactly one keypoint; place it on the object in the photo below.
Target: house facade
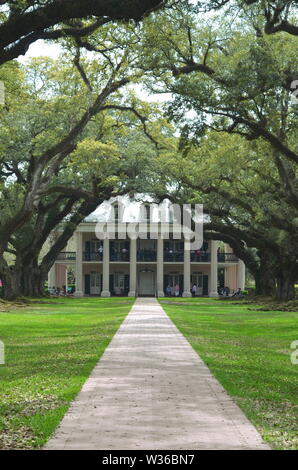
(143, 266)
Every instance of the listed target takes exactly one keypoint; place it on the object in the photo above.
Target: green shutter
(205, 285)
(87, 284)
(112, 283)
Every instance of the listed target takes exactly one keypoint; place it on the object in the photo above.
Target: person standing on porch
(194, 290)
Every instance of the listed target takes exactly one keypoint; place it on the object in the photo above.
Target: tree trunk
(265, 276)
(33, 280)
(11, 280)
(265, 282)
(286, 284)
(23, 280)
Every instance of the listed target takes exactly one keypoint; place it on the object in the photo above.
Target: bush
(290, 306)
(250, 291)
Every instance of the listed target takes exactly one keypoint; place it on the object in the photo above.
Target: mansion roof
(131, 210)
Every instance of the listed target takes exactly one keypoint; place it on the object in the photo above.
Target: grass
(52, 346)
(50, 349)
(249, 353)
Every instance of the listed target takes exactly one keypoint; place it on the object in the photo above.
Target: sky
(41, 48)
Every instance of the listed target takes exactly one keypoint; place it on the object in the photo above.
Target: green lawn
(249, 353)
(51, 348)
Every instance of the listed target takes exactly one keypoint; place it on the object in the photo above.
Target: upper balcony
(227, 258)
(121, 256)
(148, 255)
(67, 256)
(92, 256)
(173, 256)
(145, 254)
(200, 256)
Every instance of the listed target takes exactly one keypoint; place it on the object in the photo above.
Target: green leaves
(93, 158)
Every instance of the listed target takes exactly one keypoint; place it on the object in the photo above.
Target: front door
(118, 284)
(197, 279)
(146, 283)
(94, 283)
(205, 285)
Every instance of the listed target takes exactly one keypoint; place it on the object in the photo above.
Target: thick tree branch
(23, 28)
(131, 109)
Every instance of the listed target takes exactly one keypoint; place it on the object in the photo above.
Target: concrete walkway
(150, 390)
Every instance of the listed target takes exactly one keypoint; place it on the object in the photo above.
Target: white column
(213, 278)
(106, 269)
(228, 249)
(52, 277)
(133, 268)
(159, 273)
(79, 265)
(241, 275)
(227, 277)
(186, 271)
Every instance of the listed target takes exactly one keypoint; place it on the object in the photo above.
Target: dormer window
(116, 212)
(147, 212)
(174, 214)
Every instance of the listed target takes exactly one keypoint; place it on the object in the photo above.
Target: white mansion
(143, 266)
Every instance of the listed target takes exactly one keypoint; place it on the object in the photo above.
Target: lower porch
(146, 279)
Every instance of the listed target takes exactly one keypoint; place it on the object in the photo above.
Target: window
(119, 281)
(197, 278)
(94, 279)
(95, 246)
(174, 246)
(147, 212)
(116, 212)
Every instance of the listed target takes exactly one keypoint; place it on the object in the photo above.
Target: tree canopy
(75, 132)
(72, 124)
(229, 78)
(25, 21)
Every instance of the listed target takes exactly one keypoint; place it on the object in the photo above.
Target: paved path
(150, 390)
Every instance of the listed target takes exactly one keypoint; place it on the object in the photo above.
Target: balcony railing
(201, 257)
(92, 256)
(119, 256)
(146, 255)
(227, 258)
(67, 256)
(150, 255)
(174, 256)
